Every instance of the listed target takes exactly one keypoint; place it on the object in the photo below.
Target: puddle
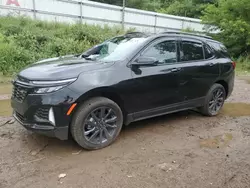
(5, 108)
(236, 109)
(5, 88)
(217, 141)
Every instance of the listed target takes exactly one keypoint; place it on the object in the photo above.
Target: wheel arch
(107, 92)
(224, 84)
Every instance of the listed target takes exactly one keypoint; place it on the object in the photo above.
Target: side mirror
(145, 61)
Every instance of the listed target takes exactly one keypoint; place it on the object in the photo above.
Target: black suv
(122, 80)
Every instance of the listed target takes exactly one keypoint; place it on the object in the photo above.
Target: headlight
(51, 86)
(48, 89)
(53, 83)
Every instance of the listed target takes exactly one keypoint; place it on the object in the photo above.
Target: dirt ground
(179, 150)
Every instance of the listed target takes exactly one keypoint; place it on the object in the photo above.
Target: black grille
(19, 92)
(42, 114)
(20, 117)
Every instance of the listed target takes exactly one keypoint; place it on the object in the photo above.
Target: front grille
(19, 92)
(42, 114)
(20, 117)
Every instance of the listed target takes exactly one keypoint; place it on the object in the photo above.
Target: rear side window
(191, 51)
(208, 52)
(219, 48)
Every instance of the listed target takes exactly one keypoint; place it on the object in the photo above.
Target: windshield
(115, 49)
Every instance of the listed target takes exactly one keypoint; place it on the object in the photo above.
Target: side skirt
(137, 116)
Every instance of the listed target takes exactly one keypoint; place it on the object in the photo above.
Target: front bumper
(57, 132)
(33, 112)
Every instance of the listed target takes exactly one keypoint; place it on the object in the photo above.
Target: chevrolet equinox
(125, 79)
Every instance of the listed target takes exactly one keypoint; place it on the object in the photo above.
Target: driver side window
(164, 52)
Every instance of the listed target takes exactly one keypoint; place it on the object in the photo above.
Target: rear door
(200, 69)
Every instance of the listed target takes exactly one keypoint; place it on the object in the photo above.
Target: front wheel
(97, 123)
(214, 100)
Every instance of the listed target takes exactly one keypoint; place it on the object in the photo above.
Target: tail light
(234, 64)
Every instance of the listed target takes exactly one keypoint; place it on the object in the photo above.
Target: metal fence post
(155, 23)
(81, 4)
(182, 25)
(123, 13)
(34, 8)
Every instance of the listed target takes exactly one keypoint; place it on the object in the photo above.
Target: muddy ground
(179, 150)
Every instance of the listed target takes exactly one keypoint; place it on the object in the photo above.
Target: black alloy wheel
(96, 123)
(100, 125)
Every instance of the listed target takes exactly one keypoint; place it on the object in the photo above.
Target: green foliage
(13, 58)
(232, 19)
(151, 5)
(187, 8)
(24, 41)
(243, 65)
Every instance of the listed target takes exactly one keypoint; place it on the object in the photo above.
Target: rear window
(191, 51)
(219, 48)
(208, 52)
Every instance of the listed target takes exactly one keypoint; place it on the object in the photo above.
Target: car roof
(173, 34)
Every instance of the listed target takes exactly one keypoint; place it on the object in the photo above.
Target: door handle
(175, 69)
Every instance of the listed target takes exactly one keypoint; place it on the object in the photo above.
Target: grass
(5, 79)
(24, 41)
(243, 66)
(241, 72)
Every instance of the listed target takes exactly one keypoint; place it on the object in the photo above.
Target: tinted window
(191, 51)
(164, 52)
(219, 48)
(208, 52)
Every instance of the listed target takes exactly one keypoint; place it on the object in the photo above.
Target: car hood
(60, 68)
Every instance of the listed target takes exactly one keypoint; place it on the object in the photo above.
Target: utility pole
(123, 12)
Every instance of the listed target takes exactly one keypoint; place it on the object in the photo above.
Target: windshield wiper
(85, 56)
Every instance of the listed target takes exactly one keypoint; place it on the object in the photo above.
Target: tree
(232, 19)
(129, 3)
(139, 4)
(187, 8)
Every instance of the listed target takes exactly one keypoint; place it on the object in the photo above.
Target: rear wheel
(214, 100)
(97, 123)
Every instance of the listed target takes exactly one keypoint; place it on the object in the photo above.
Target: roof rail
(136, 34)
(187, 33)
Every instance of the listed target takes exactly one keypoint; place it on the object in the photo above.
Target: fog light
(52, 117)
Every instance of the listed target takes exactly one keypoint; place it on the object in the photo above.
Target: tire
(88, 120)
(207, 109)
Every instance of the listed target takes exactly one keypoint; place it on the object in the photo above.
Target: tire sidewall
(210, 95)
(81, 115)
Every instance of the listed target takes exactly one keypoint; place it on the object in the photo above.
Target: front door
(156, 86)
